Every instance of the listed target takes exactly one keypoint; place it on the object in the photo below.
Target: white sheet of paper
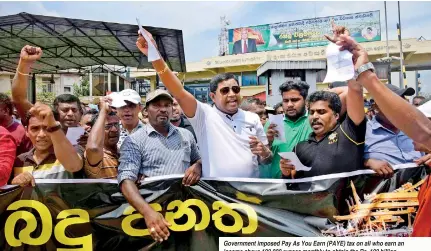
(73, 134)
(153, 54)
(278, 120)
(295, 161)
(339, 63)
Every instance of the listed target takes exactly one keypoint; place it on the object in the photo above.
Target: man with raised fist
(67, 107)
(53, 156)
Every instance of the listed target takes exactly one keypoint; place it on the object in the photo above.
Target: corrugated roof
(291, 65)
(74, 43)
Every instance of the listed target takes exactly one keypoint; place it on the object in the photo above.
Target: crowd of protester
(332, 131)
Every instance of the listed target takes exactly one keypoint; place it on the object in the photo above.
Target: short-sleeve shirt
(22, 141)
(124, 133)
(383, 144)
(105, 169)
(224, 141)
(341, 150)
(295, 132)
(149, 153)
(48, 168)
(7, 155)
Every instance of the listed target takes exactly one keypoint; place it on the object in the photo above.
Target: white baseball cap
(426, 109)
(131, 96)
(119, 98)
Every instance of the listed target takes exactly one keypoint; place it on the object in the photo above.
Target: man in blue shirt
(386, 145)
(159, 148)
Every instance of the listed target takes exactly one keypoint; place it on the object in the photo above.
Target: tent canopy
(75, 44)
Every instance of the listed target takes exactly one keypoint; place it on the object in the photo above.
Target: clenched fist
(30, 54)
(44, 113)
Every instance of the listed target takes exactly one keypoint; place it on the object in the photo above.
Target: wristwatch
(366, 67)
(54, 128)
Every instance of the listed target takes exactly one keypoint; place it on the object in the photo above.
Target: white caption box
(324, 244)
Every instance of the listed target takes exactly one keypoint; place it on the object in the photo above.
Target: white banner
(323, 244)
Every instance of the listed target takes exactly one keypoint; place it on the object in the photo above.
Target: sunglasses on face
(225, 90)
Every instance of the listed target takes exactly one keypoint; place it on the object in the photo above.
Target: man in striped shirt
(53, 156)
(101, 155)
(159, 148)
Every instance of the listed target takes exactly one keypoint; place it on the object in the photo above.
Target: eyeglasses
(109, 126)
(225, 90)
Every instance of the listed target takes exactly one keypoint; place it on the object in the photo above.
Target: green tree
(83, 89)
(43, 95)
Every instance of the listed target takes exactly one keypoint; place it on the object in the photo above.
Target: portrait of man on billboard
(369, 33)
(245, 44)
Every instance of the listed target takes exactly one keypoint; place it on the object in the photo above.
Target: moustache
(316, 123)
(113, 135)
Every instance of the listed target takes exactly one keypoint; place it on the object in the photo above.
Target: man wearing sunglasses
(232, 141)
(101, 155)
(129, 114)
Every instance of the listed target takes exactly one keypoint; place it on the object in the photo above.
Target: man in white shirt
(232, 141)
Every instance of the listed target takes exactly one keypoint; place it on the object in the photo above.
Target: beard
(176, 119)
(297, 115)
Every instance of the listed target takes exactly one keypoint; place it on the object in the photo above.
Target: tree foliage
(43, 94)
(83, 89)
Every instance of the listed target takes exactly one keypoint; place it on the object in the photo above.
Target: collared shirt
(295, 132)
(224, 141)
(48, 168)
(105, 169)
(185, 123)
(124, 133)
(383, 144)
(149, 153)
(244, 42)
(341, 150)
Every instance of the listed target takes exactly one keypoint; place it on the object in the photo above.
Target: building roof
(74, 43)
(291, 65)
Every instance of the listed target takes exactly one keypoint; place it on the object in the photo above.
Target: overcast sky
(200, 21)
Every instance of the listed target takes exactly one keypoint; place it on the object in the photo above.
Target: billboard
(363, 27)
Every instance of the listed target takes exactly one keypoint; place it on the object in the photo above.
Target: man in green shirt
(296, 125)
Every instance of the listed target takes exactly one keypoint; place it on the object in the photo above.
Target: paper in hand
(295, 161)
(279, 121)
(339, 63)
(74, 133)
(153, 54)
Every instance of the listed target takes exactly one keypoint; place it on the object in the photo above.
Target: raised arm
(402, 114)
(63, 149)
(96, 139)
(355, 102)
(186, 100)
(28, 56)
(342, 93)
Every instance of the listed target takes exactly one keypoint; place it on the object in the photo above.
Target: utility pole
(403, 81)
(387, 45)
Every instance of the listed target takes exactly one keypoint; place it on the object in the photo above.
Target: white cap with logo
(119, 98)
